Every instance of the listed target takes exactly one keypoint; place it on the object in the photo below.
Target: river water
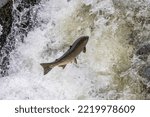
(108, 69)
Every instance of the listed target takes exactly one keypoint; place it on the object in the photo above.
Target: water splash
(1, 28)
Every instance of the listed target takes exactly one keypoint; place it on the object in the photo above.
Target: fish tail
(46, 67)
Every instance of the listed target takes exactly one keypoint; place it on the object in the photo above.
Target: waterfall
(3, 2)
(108, 70)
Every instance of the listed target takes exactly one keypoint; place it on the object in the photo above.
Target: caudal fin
(46, 67)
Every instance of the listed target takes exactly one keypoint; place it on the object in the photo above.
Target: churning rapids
(113, 66)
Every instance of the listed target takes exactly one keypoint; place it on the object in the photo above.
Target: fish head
(84, 39)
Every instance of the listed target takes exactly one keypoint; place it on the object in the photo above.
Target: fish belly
(64, 62)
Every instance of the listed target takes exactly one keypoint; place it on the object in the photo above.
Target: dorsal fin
(70, 47)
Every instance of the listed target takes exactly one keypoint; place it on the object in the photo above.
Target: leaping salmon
(71, 54)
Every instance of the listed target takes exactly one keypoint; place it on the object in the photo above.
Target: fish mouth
(84, 39)
(87, 37)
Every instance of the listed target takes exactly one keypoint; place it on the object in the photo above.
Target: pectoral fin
(63, 66)
(75, 60)
(84, 49)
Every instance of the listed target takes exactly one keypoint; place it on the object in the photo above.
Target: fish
(70, 55)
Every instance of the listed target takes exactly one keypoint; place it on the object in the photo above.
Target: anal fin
(75, 60)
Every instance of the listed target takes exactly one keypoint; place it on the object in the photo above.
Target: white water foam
(1, 28)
